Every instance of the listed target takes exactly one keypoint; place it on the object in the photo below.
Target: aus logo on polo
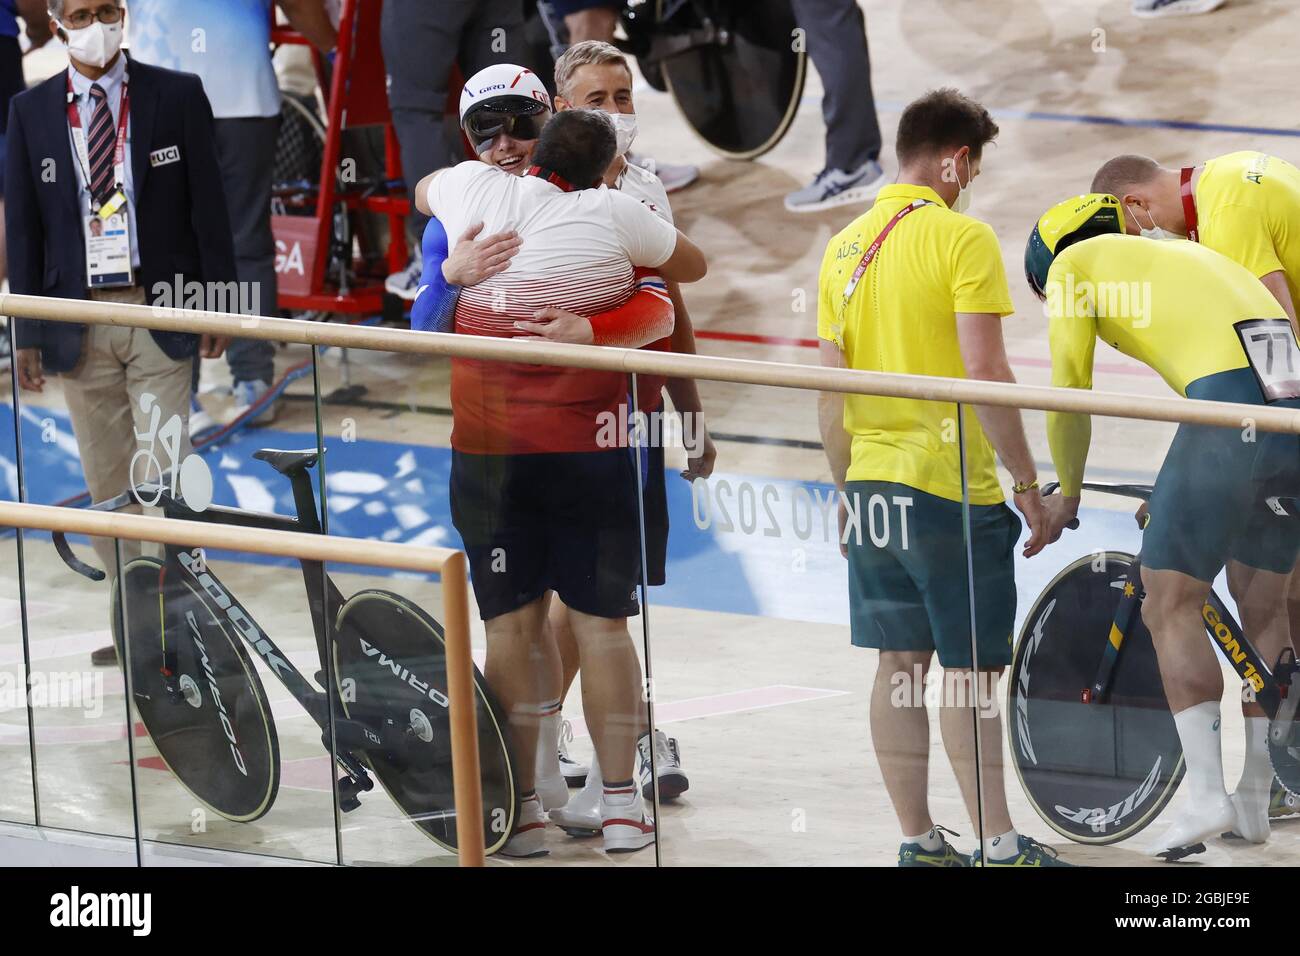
(159, 467)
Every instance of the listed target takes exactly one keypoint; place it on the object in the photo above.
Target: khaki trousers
(118, 365)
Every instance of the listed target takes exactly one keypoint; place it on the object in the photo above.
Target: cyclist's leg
(1259, 577)
(514, 648)
(1193, 682)
(611, 691)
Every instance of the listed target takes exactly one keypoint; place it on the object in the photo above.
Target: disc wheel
(1095, 772)
(196, 691)
(391, 667)
(739, 92)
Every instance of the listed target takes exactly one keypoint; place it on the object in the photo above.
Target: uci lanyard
(79, 136)
(1189, 203)
(875, 246)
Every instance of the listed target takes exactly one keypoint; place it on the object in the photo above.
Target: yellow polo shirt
(902, 317)
(1248, 208)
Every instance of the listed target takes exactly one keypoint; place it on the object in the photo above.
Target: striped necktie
(101, 142)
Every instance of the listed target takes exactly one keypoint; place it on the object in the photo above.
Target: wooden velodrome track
(770, 709)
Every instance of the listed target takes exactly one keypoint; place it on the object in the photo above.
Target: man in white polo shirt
(538, 502)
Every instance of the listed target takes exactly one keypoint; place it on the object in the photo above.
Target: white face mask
(962, 202)
(624, 131)
(96, 44)
(1155, 232)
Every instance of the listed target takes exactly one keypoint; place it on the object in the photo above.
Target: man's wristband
(1019, 488)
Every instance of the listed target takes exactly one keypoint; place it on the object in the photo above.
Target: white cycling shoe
(552, 788)
(1196, 823)
(1251, 825)
(580, 817)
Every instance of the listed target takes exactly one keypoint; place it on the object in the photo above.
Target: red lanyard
(880, 240)
(1189, 203)
(79, 135)
(554, 178)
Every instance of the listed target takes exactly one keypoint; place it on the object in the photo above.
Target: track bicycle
(735, 69)
(1092, 738)
(203, 705)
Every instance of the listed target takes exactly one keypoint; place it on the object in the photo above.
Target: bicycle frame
(323, 598)
(1229, 637)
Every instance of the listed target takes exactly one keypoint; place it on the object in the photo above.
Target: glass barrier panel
(779, 729)
(542, 492)
(1147, 681)
(223, 680)
(17, 801)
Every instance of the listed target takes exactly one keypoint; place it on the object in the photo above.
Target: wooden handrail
(604, 358)
(449, 563)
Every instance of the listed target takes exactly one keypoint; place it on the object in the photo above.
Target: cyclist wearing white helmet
(530, 474)
(503, 109)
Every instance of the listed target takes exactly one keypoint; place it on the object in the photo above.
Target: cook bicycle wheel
(1096, 772)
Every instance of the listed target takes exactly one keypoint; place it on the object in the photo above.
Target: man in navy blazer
(113, 377)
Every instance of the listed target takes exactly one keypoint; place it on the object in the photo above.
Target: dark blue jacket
(181, 218)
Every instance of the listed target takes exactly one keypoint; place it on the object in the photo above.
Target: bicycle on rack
(736, 70)
(203, 705)
(1092, 738)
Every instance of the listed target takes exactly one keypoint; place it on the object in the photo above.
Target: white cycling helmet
(502, 84)
(504, 98)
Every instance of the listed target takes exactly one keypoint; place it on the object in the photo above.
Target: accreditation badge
(108, 245)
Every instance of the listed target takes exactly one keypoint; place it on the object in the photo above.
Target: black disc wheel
(391, 668)
(196, 691)
(1096, 772)
(736, 70)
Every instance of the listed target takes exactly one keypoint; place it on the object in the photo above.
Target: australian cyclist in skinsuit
(1213, 332)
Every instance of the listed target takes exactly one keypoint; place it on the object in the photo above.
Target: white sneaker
(1195, 823)
(200, 420)
(838, 187)
(575, 772)
(625, 824)
(529, 838)
(1152, 9)
(406, 284)
(248, 394)
(580, 817)
(667, 766)
(674, 176)
(552, 788)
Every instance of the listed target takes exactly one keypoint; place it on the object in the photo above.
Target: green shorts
(908, 575)
(1209, 503)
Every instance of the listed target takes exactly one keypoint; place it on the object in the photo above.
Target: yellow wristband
(1020, 489)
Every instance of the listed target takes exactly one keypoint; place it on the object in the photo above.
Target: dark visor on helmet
(484, 125)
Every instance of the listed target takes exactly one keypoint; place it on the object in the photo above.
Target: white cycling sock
(1253, 789)
(1003, 846)
(1198, 729)
(930, 841)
